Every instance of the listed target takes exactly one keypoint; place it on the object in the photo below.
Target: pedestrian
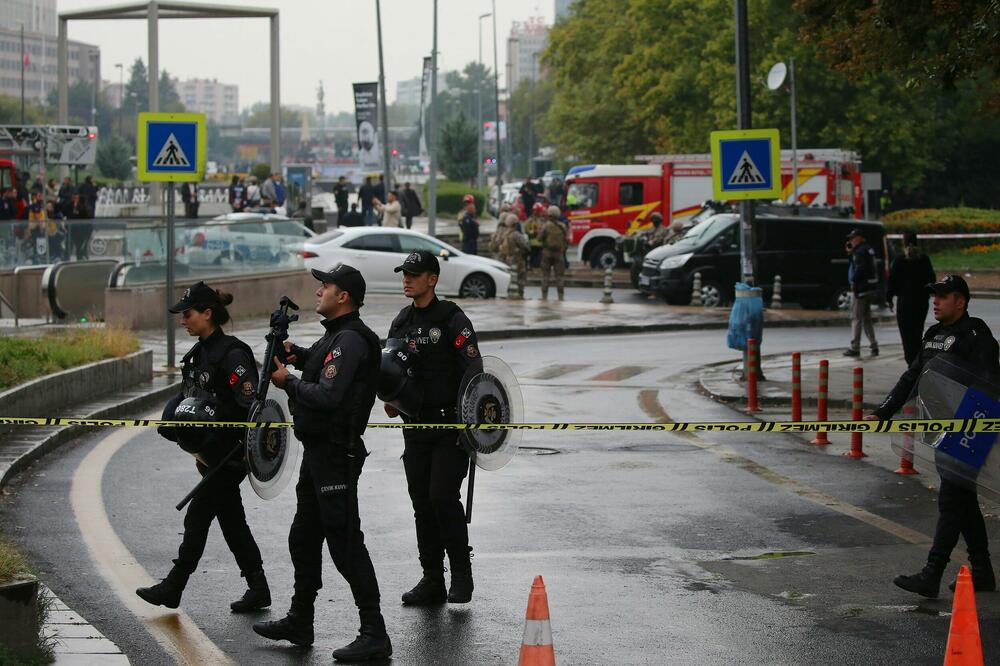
(57, 232)
(533, 227)
(88, 192)
(279, 197)
(908, 279)
(253, 193)
(268, 190)
(969, 339)
(469, 226)
(528, 196)
(411, 205)
(52, 192)
(219, 374)
(353, 218)
(65, 194)
(434, 462)
(380, 192)
(80, 230)
(8, 204)
(237, 195)
(340, 194)
(555, 239)
(391, 211)
(863, 278)
(367, 196)
(36, 241)
(330, 406)
(189, 196)
(517, 251)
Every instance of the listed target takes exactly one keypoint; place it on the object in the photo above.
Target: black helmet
(396, 385)
(194, 410)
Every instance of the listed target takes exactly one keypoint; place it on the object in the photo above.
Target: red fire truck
(606, 201)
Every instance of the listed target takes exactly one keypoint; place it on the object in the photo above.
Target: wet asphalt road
(653, 546)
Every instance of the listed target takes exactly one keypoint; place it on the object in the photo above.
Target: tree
(261, 170)
(460, 96)
(259, 115)
(80, 100)
(114, 157)
(458, 149)
(136, 96)
(10, 112)
(529, 106)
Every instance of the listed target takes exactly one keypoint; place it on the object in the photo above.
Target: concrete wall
(50, 395)
(144, 307)
(33, 304)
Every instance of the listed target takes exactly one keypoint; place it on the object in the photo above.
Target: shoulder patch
(240, 371)
(472, 351)
(459, 341)
(330, 371)
(336, 352)
(329, 357)
(247, 389)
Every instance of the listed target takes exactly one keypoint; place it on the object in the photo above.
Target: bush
(261, 171)
(22, 359)
(450, 195)
(943, 221)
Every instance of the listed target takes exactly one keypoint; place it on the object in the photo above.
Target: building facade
(38, 16)
(408, 92)
(220, 102)
(41, 62)
(525, 45)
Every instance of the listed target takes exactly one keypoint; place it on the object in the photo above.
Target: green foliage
(81, 97)
(259, 115)
(463, 90)
(450, 195)
(12, 563)
(261, 170)
(530, 103)
(22, 359)
(10, 112)
(136, 97)
(943, 221)
(953, 259)
(458, 149)
(113, 157)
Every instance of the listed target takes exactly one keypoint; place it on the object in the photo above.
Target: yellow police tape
(896, 425)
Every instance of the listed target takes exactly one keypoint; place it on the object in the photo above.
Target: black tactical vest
(205, 375)
(439, 374)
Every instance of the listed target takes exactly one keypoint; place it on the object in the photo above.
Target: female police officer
(220, 377)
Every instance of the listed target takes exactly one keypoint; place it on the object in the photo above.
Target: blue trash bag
(746, 320)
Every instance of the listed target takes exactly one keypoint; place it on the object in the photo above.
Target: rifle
(280, 321)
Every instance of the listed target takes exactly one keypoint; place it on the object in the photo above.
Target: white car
(243, 237)
(376, 251)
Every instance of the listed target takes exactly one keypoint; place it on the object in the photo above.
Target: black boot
(983, 578)
(293, 628)
(372, 641)
(926, 583)
(461, 577)
(428, 592)
(167, 592)
(257, 596)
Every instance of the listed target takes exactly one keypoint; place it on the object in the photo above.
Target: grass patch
(14, 566)
(22, 359)
(943, 220)
(12, 563)
(976, 258)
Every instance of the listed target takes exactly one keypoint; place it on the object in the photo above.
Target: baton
(471, 488)
(280, 320)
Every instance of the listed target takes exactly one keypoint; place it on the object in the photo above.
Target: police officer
(659, 234)
(330, 405)
(220, 377)
(863, 277)
(434, 462)
(970, 339)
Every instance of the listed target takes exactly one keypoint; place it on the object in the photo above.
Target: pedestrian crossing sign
(746, 164)
(171, 147)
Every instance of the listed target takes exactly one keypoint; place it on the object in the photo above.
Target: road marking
(174, 630)
(649, 401)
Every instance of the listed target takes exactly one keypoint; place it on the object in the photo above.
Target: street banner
(425, 100)
(366, 117)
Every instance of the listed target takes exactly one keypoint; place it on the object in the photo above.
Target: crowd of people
(247, 195)
(41, 216)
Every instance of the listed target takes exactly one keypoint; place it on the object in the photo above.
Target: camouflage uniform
(533, 227)
(658, 235)
(516, 250)
(554, 237)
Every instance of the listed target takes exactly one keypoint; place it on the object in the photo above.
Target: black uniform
(908, 280)
(331, 404)
(220, 366)
(959, 514)
(434, 462)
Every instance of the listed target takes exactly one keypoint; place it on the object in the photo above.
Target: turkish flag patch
(233, 379)
(329, 357)
(459, 341)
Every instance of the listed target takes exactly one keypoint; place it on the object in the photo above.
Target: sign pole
(743, 122)
(170, 274)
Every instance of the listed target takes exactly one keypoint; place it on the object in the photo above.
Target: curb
(64, 434)
(77, 641)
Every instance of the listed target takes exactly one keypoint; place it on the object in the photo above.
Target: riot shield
(491, 394)
(950, 388)
(271, 453)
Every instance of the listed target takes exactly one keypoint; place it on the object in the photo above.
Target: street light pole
(479, 102)
(496, 97)
(432, 132)
(386, 164)
(121, 92)
(531, 116)
(795, 151)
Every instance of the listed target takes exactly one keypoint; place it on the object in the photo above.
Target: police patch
(472, 351)
(233, 379)
(336, 352)
(247, 389)
(240, 371)
(435, 335)
(459, 341)
(330, 371)
(203, 379)
(466, 332)
(948, 342)
(329, 357)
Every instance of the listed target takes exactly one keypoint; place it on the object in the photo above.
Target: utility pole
(531, 116)
(747, 263)
(496, 98)
(432, 132)
(121, 92)
(22, 73)
(386, 163)
(479, 102)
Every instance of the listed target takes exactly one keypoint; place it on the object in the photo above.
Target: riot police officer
(220, 378)
(435, 464)
(969, 339)
(330, 405)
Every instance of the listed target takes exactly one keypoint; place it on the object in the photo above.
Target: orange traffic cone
(964, 646)
(536, 648)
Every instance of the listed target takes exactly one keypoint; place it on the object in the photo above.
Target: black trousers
(219, 499)
(958, 515)
(408, 219)
(79, 233)
(435, 467)
(327, 508)
(910, 319)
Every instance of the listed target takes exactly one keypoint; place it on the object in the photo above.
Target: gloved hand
(169, 432)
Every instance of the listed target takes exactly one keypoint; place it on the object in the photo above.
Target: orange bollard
(857, 413)
(906, 457)
(751, 375)
(796, 386)
(824, 384)
(965, 647)
(536, 647)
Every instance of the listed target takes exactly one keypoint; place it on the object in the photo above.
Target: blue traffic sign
(171, 146)
(746, 164)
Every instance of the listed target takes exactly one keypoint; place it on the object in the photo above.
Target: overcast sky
(329, 40)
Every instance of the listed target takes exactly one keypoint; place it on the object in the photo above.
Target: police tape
(885, 426)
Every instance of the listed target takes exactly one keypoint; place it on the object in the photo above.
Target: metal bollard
(776, 295)
(906, 457)
(751, 375)
(609, 277)
(513, 293)
(824, 384)
(857, 413)
(696, 290)
(796, 386)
